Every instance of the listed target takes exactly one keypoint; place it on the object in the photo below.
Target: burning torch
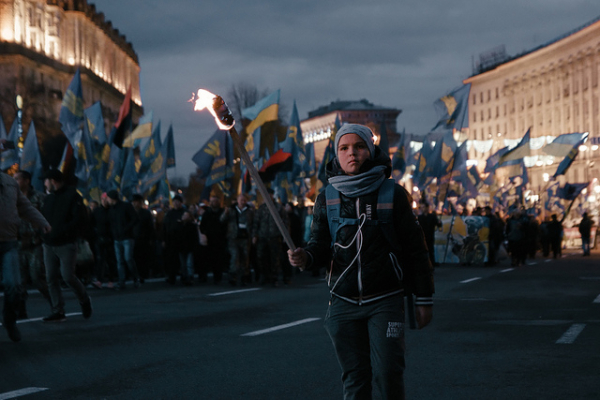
(225, 121)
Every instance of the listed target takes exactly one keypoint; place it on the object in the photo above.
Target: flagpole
(237, 141)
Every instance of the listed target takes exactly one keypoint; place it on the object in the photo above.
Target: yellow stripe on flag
(268, 114)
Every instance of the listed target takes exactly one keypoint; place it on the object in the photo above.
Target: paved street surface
(498, 333)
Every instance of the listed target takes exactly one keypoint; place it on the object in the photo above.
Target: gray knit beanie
(364, 132)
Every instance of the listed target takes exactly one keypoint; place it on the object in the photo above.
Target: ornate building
(552, 89)
(43, 42)
(320, 123)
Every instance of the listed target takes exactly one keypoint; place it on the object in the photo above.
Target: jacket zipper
(358, 246)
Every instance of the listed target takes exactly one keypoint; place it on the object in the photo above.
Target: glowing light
(592, 199)
(597, 189)
(205, 99)
(472, 162)
(546, 177)
(595, 147)
(415, 189)
(583, 147)
(71, 60)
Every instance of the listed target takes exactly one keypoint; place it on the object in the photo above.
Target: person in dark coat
(144, 235)
(429, 223)
(585, 229)
(216, 234)
(123, 221)
(105, 272)
(555, 234)
(171, 225)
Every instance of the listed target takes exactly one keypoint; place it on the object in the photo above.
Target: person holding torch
(365, 230)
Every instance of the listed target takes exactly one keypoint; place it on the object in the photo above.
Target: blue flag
(82, 151)
(114, 169)
(570, 157)
(453, 110)
(156, 170)
(294, 144)
(570, 191)
(517, 153)
(95, 123)
(329, 154)
(151, 149)
(399, 158)
(384, 142)
(215, 158)
(71, 110)
(130, 181)
(311, 163)
(562, 145)
(265, 110)
(31, 160)
(10, 157)
(419, 175)
(442, 156)
(170, 149)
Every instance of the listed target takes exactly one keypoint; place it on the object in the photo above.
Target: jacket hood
(333, 168)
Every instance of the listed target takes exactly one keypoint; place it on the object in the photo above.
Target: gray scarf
(361, 184)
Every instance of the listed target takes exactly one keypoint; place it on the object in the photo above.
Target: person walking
(555, 235)
(216, 234)
(585, 229)
(123, 220)
(63, 208)
(365, 229)
(239, 219)
(268, 241)
(31, 255)
(171, 225)
(106, 264)
(14, 207)
(145, 237)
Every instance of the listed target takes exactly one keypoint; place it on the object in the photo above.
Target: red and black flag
(280, 161)
(124, 124)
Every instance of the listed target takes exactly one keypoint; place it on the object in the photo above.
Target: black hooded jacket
(381, 268)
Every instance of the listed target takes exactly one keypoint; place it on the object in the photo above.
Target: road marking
(279, 327)
(597, 300)
(590, 278)
(470, 280)
(507, 270)
(571, 334)
(547, 260)
(23, 321)
(234, 291)
(21, 392)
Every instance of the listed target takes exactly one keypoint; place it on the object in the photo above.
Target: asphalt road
(498, 333)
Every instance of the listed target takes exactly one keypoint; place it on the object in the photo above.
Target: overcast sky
(400, 53)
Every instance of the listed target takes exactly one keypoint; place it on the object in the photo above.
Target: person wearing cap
(269, 241)
(14, 207)
(370, 265)
(123, 220)
(30, 246)
(63, 210)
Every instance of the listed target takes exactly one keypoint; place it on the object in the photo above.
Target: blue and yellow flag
(10, 157)
(329, 154)
(31, 160)
(399, 158)
(130, 180)
(570, 191)
(143, 130)
(170, 149)
(264, 110)
(82, 151)
(215, 158)
(419, 175)
(151, 148)
(95, 123)
(114, 169)
(453, 110)
(156, 170)
(294, 144)
(442, 156)
(518, 152)
(71, 110)
(570, 157)
(563, 144)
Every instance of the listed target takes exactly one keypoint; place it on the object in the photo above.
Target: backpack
(385, 213)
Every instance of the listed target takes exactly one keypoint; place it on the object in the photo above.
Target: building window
(474, 99)
(474, 117)
(497, 93)
(481, 97)
(489, 95)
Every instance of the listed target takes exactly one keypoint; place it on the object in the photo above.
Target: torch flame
(205, 99)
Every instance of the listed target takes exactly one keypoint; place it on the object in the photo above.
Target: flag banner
(492, 162)
(124, 121)
(462, 239)
(419, 175)
(280, 161)
(151, 148)
(263, 111)
(130, 181)
(399, 158)
(71, 109)
(95, 123)
(143, 130)
(252, 144)
(328, 154)
(170, 149)
(82, 151)
(215, 158)
(294, 144)
(31, 160)
(114, 169)
(10, 157)
(562, 145)
(570, 191)
(442, 156)
(311, 163)
(453, 110)
(517, 153)
(570, 157)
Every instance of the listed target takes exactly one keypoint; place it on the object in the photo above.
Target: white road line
(234, 291)
(507, 270)
(21, 392)
(597, 300)
(547, 260)
(279, 327)
(23, 321)
(470, 280)
(571, 334)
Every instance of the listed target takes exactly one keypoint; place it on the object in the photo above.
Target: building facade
(43, 42)
(320, 123)
(551, 90)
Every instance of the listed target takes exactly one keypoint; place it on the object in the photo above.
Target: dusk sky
(398, 54)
